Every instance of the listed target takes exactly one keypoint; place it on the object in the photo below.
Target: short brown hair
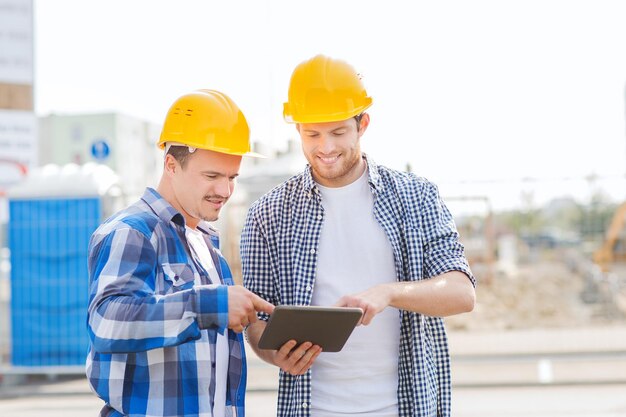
(180, 153)
(358, 118)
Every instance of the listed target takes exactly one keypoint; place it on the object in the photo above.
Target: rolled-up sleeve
(442, 250)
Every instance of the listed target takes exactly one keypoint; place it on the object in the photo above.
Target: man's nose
(326, 144)
(225, 187)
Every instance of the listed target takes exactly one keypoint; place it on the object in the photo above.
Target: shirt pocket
(177, 276)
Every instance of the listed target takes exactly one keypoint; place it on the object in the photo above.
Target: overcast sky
(480, 92)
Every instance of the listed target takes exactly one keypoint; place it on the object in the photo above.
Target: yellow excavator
(611, 258)
(613, 248)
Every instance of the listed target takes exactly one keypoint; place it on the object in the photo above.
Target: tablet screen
(328, 327)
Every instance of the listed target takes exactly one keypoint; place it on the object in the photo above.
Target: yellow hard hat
(207, 119)
(324, 89)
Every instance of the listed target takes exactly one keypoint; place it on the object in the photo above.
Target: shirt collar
(162, 208)
(308, 181)
(374, 179)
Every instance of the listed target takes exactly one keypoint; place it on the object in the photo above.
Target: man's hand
(243, 306)
(372, 301)
(296, 360)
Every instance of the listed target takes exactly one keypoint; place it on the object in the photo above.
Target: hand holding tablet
(328, 327)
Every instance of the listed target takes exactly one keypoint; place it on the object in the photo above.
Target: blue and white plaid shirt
(279, 254)
(152, 328)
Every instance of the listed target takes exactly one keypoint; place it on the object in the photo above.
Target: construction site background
(547, 318)
(535, 267)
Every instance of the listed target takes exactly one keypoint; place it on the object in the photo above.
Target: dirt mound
(539, 294)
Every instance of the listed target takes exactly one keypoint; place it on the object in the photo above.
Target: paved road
(561, 357)
(543, 401)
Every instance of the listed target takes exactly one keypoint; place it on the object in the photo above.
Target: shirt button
(312, 251)
(319, 217)
(308, 288)
(304, 405)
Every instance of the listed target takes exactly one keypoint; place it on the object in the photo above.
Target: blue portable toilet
(52, 215)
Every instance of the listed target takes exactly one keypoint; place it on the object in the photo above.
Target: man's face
(333, 150)
(204, 185)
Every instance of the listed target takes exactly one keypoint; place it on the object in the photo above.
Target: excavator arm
(605, 255)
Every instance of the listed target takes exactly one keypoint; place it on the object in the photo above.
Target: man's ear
(364, 123)
(170, 165)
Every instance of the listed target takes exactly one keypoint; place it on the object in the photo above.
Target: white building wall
(138, 159)
(130, 146)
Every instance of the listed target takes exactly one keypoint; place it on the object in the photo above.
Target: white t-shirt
(222, 356)
(355, 254)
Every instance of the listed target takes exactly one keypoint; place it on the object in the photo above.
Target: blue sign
(100, 150)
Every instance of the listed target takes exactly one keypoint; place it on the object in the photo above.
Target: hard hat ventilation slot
(189, 112)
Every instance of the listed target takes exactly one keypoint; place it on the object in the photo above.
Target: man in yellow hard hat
(165, 319)
(349, 232)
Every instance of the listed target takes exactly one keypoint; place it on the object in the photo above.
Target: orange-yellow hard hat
(207, 119)
(323, 89)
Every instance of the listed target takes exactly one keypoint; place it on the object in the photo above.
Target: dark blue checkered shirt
(279, 254)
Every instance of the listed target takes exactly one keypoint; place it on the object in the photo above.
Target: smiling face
(202, 185)
(333, 150)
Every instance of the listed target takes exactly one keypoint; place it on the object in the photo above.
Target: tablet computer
(328, 327)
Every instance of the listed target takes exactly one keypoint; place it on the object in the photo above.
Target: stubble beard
(346, 166)
(216, 213)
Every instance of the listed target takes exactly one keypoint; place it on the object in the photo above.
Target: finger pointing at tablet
(243, 306)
